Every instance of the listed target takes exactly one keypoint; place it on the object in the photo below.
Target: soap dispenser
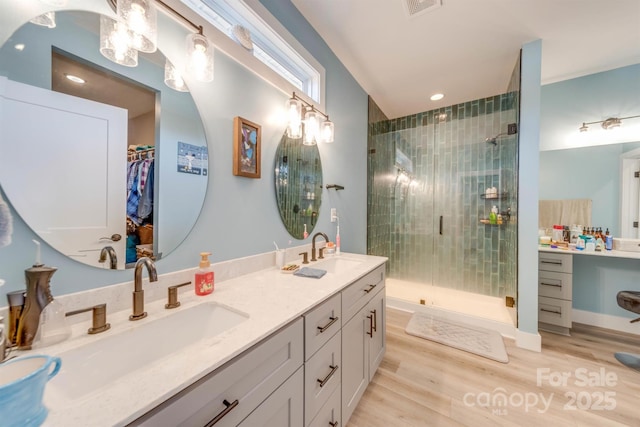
(42, 319)
(204, 276)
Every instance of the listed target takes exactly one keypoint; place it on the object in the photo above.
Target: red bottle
(203, 279)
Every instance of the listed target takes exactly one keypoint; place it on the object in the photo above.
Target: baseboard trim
(606, 321)
(529, 341)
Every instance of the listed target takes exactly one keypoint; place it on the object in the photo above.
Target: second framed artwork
(246, 148)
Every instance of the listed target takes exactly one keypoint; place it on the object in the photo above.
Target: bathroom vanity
(296, 351)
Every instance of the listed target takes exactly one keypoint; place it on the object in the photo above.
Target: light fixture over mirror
(136, 30)
(607, 124)
(304, 120)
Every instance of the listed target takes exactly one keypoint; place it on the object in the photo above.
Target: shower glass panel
(428, 175)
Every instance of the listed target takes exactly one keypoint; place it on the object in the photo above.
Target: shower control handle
(441, 217)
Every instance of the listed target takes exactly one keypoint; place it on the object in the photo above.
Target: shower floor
(480, 310)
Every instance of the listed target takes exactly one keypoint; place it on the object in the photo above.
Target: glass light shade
(47, 19)
(327, 131)
(173, 78)
(311, 127)
(293, 109)
(199, 57)
(114, 42)
(141, 17)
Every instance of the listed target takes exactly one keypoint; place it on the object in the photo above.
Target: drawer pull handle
(551, 262)
(333, 424)
(551, 311)
(375, 320)
(551, 284)
(332, 320)
(225, 411)
(370, 333)
(334, 368)
(370, 288)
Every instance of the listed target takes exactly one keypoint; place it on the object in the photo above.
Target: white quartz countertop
(606, 254)
(270, 298)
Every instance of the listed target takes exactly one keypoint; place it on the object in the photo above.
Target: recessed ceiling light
(19, 47)
(74, 79)
(437, 96)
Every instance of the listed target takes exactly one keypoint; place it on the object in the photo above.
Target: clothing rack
(133, 155)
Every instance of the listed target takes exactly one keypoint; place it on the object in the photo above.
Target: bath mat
(480, 341)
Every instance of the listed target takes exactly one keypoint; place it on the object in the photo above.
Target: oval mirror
(298, 185)
(118, 161)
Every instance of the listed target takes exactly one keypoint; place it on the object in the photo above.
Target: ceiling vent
(418, 7)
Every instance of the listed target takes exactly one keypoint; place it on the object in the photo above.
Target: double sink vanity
(265, 348)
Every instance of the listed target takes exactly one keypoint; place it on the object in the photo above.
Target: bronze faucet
(113, 258)
(313, 244)
(138, 293)
(99, 318)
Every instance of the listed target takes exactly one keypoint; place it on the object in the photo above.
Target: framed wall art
(246, 148)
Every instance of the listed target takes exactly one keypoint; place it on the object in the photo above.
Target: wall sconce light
(317, 126)
(607, 124)
(137, 25)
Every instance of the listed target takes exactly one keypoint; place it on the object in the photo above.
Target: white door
(63, 166)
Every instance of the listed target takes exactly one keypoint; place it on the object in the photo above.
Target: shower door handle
(441, 224)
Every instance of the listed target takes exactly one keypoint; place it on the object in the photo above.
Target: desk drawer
(560, 263)
(555, 285)
(320, 324)
(554, 311)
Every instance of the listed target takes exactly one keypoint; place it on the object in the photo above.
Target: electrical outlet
(334, 214)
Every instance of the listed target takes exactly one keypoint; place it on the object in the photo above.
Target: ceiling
(467, 49)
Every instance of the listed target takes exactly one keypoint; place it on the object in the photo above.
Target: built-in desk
(580, 286)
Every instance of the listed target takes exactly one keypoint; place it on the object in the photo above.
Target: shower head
(492, 140)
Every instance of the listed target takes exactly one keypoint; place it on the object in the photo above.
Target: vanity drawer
(322, 376)
(555, 285)
(320, 324)
(554, 311)
(243, 383)
(560, 263)
(330, 413)
(358, 294)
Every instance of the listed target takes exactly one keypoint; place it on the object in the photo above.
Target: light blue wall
(528, 169)
(240, 216)
(591, 172)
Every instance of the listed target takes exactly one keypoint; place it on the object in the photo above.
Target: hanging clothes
(140, 190)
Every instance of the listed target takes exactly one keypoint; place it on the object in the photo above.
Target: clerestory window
(237, 20)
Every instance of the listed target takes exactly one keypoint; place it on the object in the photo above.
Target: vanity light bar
(314, 129)
(610, 123)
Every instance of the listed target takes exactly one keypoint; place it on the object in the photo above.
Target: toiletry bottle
(204, 276)
(608, 241)
(305, 234)
(338, 240)
(493, 216)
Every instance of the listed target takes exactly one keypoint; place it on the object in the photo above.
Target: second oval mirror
(298, 185)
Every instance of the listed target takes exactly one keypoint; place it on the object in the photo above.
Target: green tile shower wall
(452, 167)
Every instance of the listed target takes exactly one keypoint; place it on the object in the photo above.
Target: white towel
(564, 212)
(6, 223)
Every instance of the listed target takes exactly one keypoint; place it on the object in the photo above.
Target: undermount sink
(92, 366)
(338, 264)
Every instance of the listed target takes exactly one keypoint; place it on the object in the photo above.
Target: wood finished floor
(423, 383)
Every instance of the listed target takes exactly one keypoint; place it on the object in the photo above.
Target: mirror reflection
(298, 185)
(119, 161)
